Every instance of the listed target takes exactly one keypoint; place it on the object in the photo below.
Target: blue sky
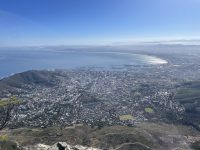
(55, 22)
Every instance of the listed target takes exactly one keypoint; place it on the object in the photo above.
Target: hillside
(30, 77)
(189, 97)
(145, 136)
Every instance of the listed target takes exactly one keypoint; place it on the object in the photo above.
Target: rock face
(58, 146)
(37, 147)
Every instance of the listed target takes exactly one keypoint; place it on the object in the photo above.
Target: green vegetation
(126, 117)
(10, 101)
(149, 110)
(8, 145)
(6, 106)
(3, 138)
(188, 95)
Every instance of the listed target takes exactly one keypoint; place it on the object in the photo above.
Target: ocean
(15, 61)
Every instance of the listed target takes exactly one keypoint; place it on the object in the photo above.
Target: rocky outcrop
(58, 146)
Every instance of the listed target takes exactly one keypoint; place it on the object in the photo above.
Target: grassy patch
(3, 138)
(10, 101)
(149, 110)
(126, 117)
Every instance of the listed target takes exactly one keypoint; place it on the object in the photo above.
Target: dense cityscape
(98, 98)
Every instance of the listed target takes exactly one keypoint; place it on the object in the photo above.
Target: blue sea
(15, 61)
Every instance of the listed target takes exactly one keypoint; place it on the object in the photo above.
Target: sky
(76, 22)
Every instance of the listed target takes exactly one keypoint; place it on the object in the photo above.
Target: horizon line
(138, 42)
